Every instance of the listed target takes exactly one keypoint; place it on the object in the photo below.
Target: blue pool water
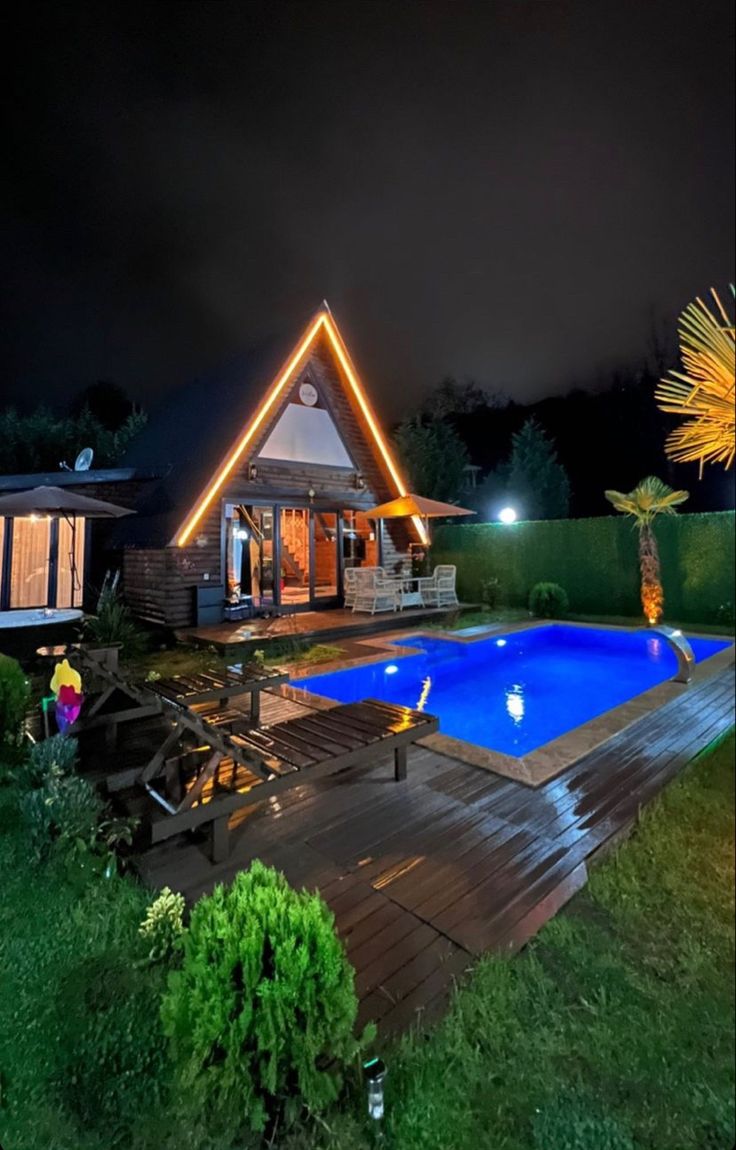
(514, 693)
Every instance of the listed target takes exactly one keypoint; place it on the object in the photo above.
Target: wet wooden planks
(424, 876)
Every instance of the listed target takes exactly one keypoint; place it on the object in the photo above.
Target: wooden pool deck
(312, 627)
(425, 875)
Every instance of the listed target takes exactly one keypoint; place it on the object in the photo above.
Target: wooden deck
(312, 626)
(425, 875)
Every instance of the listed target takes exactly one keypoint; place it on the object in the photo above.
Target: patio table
(408, 591)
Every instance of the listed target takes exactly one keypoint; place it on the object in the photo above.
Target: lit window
(29, 572)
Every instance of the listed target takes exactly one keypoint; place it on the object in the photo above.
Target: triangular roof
(186, 436)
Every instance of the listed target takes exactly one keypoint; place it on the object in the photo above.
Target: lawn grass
(186, 660)
(612, 1031)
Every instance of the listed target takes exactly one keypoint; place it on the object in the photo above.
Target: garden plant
(649, 499)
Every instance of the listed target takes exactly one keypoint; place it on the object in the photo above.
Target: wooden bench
(261, 762)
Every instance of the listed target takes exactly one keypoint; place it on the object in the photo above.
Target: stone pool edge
(549, 760)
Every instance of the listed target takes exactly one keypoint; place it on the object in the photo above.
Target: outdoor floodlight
(507, 515)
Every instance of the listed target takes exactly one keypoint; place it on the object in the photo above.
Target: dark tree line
(609, 435)
(100, 416)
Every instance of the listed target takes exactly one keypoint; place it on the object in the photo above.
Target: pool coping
(546, 762)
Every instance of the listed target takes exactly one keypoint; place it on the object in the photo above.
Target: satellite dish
(83, 462)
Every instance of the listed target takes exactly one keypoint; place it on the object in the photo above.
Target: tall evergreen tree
(532, 480)
(535, 479)
(434, 457)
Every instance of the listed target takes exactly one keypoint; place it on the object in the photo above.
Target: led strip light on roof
(323, 320)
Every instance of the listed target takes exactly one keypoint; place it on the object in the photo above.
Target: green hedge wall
(596, 561)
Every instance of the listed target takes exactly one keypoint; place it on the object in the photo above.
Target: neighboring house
(267, 470)
(36, 568)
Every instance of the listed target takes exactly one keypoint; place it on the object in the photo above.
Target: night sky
(503, 191)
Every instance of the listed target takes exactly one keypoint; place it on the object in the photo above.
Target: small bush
(52, 758)
(113, 626)
(489, 593)
(14, 699)
(548, 601)
(65, 812)
(261, 1015)
(163, 927)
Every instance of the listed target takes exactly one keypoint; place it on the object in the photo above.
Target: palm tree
(649, 499)
(704, 391)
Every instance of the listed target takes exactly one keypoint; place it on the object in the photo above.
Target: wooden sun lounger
(259, 763)
(199, 705)
(141, 703)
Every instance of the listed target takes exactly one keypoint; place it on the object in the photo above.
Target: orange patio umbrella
(415, 507)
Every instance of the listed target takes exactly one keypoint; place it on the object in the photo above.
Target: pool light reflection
(426, 688)
(515, 703)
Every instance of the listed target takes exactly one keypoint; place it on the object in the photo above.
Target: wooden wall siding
(124, 492)
(159, 584)
(145, 583)
(185, 568)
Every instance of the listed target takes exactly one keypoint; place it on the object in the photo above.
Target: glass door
(359, 540)
(250, 555)
(294, 527)
(325, 555)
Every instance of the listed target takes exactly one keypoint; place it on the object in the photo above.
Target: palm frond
(704, 392)
(621, 502)
(649, 498)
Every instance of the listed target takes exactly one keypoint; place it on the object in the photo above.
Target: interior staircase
(295, 544)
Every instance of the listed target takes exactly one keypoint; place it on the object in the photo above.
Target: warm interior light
(323, 320)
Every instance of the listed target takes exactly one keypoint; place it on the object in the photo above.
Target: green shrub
(490, 590)
(64, 812)
(14, 699)
(113, 626)
(261, 1014)
(163, 927)
(51, 758)
(548, 601)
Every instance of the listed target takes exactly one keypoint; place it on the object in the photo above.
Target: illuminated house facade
(267, 470)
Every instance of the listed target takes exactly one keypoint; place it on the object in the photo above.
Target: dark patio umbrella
(59, 503)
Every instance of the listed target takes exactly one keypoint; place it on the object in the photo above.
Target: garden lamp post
(375, 1071)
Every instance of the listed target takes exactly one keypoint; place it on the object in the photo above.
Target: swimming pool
(514, 693)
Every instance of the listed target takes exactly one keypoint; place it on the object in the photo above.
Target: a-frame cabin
(267, 471)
